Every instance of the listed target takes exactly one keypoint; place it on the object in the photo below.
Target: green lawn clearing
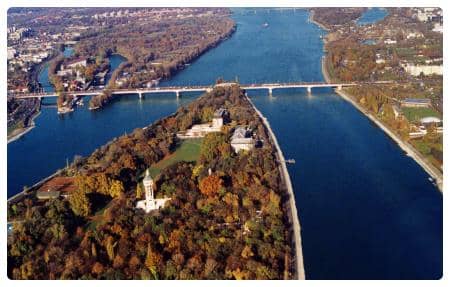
(189, 150)
(415, 114)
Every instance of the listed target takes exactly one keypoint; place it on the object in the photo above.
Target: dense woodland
(230, 224)
(157, 49)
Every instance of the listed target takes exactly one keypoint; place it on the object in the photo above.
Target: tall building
(150, 203)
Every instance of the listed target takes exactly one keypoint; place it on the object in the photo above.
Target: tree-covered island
(226, 216)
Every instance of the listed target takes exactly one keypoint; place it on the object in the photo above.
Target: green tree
(80, 203)
(210, 146)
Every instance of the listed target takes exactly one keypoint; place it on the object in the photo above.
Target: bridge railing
(198, 87)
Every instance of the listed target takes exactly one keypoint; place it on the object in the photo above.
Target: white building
(414, 35)
(75, 63)
(241, 140)
(416, 70)
(397, 111)
(390, 41)
(11, 53)
(150, 203)
(199, 131)
(438, 27)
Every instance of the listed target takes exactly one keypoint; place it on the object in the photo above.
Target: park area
(415, 114)
(188, 150)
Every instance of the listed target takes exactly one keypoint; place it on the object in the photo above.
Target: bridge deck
(269, 86)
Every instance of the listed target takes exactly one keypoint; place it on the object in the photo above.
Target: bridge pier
(140, 95)
(309, 89)
(339, 87)
(178, 94)
(270, 92)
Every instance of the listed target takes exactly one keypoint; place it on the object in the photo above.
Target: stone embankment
(297, 241)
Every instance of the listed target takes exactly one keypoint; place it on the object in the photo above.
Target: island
(201, 194)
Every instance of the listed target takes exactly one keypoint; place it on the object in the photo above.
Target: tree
(109, 245)
(116, 188)
(139, 191)
(153, 261)
(210, 146)
(210, 185)
(80, 203)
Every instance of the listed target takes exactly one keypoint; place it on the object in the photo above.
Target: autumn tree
(80, 203)
(210, 185)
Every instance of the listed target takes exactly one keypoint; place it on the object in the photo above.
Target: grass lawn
(415, 114)
(188, 150)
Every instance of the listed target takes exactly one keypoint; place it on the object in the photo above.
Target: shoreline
(208, 48)
(405, 146)
(410, 151)
(35, 76)
(299, 264)
(312, 20)
(25, 130)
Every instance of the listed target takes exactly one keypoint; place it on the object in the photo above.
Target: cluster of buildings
(422, 128)
(28, 48)
(429, 14)
(200, 130)
(242, 138)
(15, 34)
(72, 73)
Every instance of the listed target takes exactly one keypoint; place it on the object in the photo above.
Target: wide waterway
(366, 209)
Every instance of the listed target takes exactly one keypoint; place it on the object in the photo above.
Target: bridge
(178, 90)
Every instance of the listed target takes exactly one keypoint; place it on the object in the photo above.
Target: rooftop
(412, 100)
(220, 113)
(61, 184)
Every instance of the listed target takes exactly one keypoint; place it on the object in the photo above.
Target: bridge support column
(270, 91)
(339, 87)
(178, 94)
(140, 96)
(309, 90)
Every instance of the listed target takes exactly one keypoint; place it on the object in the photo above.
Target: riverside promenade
(297, 241)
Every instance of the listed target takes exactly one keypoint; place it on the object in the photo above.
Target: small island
(199, 194)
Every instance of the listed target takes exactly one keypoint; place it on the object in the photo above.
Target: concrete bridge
(178, 90)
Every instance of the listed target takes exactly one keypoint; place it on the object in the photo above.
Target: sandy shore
(408, 148)
(300, 270)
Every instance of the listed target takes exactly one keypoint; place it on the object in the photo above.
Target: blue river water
(372, 15)
(367, 210)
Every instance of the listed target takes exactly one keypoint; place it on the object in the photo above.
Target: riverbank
(312, 20)
(99, 101)
(404, 145)
(17, 133)
(293, 215)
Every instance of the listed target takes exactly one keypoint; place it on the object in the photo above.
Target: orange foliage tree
(210, 185)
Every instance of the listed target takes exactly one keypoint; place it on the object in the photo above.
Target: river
(372, 15)
(367, 210)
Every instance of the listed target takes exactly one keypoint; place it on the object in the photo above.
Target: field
(415, 114)
(189, 150)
